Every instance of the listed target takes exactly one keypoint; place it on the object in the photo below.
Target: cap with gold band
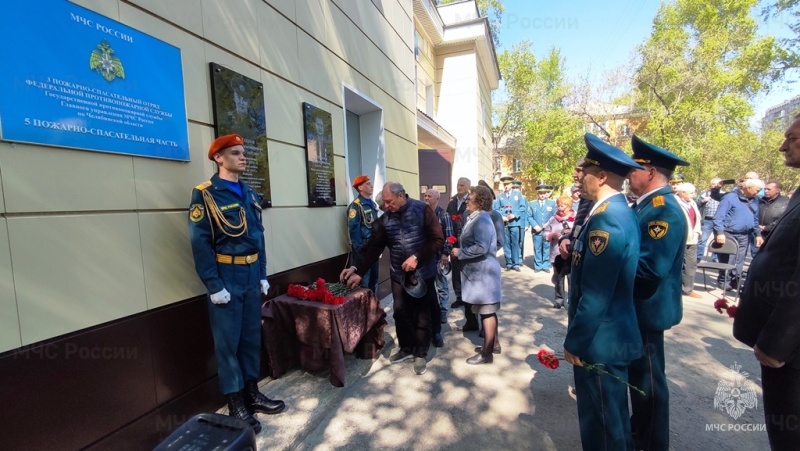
(646, 153)
(604, 155)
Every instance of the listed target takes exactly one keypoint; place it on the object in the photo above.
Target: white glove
(264, 286)
(223, 297)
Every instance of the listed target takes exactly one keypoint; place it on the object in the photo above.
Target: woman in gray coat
(480, 270)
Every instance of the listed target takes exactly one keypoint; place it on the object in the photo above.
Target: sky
(598, 36)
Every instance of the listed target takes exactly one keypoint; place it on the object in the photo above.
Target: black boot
(237, 409)
(257, 402)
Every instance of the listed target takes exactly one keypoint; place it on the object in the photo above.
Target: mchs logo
(735, 393)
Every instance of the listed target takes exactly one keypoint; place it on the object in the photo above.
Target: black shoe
(557, 306)
(255, 401)
(467, 328)
(459, 303)
(443, 318)
(497, 349)
(237, 409)
(438, 341)
(516, 268)
(477, 359)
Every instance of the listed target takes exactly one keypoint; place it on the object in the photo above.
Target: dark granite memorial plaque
(319, 157)
(238, 104)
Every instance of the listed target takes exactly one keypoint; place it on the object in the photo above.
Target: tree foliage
(697, 73)
(532, 119)
(791, 58)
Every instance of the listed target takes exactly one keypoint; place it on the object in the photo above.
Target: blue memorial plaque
(73, 78)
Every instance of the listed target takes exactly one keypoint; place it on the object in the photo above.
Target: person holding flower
(602, 327)
(557, 226)
(480, 270)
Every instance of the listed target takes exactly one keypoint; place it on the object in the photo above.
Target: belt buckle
(249, 259)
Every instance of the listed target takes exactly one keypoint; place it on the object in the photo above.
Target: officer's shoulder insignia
(601, 208)
(357, 201)
(657, 229)
(658, 201)
(598, 241)
(196, 212)
(352, 213)
(203, 185)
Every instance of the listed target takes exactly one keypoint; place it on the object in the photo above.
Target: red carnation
(721, 304)
(338, 300)
(455, 217)
(320, 282)
(327, 297)
(547, 359)
(451, 239)
(732, 311)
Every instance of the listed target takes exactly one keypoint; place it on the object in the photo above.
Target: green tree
(791, 58)
(698, 71)
(531, 118)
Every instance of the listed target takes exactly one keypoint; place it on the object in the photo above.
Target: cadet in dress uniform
(512, 208)
(539, 212)
(657, 291)
(517, 185)
(227, 238)
(602, 320)
(361, 216)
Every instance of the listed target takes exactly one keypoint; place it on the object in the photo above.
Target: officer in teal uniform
(361, 216)
(517, 186)
(539, 212)
(512, 208)
(227, 238)
(602, 319)
(657, 292)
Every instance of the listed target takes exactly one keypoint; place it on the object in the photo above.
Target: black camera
(728, 182)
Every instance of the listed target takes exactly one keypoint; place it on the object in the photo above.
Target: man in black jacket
(771, 207)
(769, 313)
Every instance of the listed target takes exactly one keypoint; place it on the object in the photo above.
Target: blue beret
(646, 153)
(604, 155)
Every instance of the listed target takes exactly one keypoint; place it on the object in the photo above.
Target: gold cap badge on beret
(223, 142)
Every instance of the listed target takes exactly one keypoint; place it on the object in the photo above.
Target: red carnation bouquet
(451, 239)
(456, 218)
(327, 293)
(551, 360)
(722, 304)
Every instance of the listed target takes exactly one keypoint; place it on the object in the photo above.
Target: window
(417, 39)
(517, 166)
(497, 164)
(624, 130)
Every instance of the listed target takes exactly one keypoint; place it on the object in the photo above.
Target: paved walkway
(514, 403)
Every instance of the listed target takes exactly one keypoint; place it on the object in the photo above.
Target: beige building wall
(88, 237)
(458, 106)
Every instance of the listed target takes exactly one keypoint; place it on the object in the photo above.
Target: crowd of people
(628, 261)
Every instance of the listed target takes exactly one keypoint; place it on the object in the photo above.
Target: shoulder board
(658, 201)
(601, 208)
(357, 201)
(203, 185)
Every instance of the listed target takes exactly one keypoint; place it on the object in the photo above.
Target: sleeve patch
(598, 241)
(657, 229)
(196, 212)
(352, 213)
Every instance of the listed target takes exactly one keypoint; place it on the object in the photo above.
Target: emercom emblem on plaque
(105, 63)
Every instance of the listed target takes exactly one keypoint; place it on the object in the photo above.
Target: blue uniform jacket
(513, 203)
(737, 214)
(657, 293)
(210, 239)
(602, 318)
(361, 216)
(539, 215)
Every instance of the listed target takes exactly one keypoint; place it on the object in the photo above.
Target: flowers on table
(722, 304)
(550, 360)
(327, 293)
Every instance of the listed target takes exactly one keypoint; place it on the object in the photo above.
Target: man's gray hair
(753, 183)
(434, 193)
(396, 188)
(685, 187)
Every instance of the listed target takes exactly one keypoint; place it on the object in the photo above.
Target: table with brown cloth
(316, 336)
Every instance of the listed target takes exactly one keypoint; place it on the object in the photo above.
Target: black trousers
(781, 387)
(743, 240)
(412, 318)
(455, 273)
